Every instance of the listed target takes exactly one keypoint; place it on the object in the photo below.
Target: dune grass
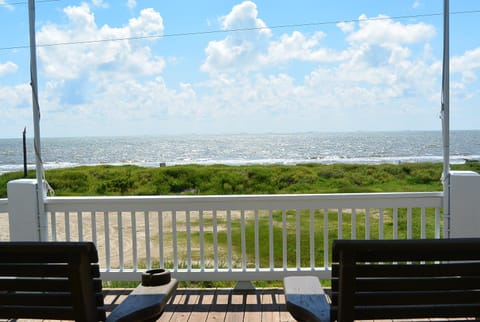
(109, 180)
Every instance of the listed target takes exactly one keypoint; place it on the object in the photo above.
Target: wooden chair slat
(417, 298)
(40, 312)
(52, 252)
(61, 281)
(404, 279)
(40, 284)
(409, 270)
(406, 312)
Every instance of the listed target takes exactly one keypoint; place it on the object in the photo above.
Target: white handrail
(246, 237)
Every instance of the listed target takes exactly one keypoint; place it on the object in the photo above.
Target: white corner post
(27, 216)
(464, 204)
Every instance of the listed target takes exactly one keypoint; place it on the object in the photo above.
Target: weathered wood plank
(284, 315)
(253, 307)
(170, 309)
(236, 307)
(219, 305)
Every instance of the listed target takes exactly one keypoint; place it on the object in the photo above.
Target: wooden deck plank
(182, 309)
(197, 312)
(236, 307)
(170, 309)
(253, 307)
(266, 305)
(202, 308)
(270, 311)
(219, 304)
(285, 316)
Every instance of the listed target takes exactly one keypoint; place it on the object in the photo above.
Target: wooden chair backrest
(50, 280)
(390, 279)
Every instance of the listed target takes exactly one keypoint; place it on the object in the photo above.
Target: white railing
(240, 238)
(4, 231)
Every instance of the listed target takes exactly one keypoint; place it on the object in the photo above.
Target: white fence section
(239, 238)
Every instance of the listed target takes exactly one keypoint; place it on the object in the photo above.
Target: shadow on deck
(217, 305)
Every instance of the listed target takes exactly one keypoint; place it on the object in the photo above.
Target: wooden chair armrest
(305, 298)
(144, 303)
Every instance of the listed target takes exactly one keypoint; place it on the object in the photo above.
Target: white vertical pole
(42, 222)
(445, 115)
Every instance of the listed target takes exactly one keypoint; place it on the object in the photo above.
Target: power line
(220, 31)
(24, 2)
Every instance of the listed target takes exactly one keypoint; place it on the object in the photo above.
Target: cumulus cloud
(346, 26)
(298, 46)
(7, 68)
(244, 16)
(240, 47)
(383, 30)
(467, 64)
(102, 79)
(291, 80)
(387, 68)
(119, 56)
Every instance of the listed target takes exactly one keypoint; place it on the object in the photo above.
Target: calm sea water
(327, 148)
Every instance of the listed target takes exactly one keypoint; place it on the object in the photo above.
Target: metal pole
(445, 115)
(36, 124)
(25, 170)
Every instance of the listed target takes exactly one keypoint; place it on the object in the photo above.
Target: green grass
(255, 179)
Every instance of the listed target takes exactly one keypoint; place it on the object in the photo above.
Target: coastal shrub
(330, 172)
(248, 179)
(76, 182)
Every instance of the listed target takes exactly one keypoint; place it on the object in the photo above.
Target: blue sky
(288, 66)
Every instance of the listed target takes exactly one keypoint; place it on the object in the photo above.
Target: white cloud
(383, 76)
(16, 107)
(93, 82)
(7, 68)
(298, 47)
(382, 30)
(467, 64)
(381, 73)
(244, 15)
(240, 48)
(346, 27)
(4, 4)
(107, 57)
(100, 3)
(131, 4)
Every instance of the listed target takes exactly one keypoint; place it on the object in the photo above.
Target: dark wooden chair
(61, 281)
(392, 279)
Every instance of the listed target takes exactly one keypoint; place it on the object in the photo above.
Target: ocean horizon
(244, 149)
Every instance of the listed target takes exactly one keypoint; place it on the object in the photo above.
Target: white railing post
(27, 218)
(464, 204)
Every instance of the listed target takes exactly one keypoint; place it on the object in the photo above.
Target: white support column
(464, 204)
(28, 221)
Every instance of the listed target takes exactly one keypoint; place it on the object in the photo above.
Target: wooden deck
(263, 304)
(218, 305)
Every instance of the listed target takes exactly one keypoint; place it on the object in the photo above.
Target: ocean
(241, 149)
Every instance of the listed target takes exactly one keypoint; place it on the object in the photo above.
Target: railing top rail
(225, 202)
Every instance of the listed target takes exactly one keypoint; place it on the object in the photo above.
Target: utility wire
(24, 2)
(223, 31)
